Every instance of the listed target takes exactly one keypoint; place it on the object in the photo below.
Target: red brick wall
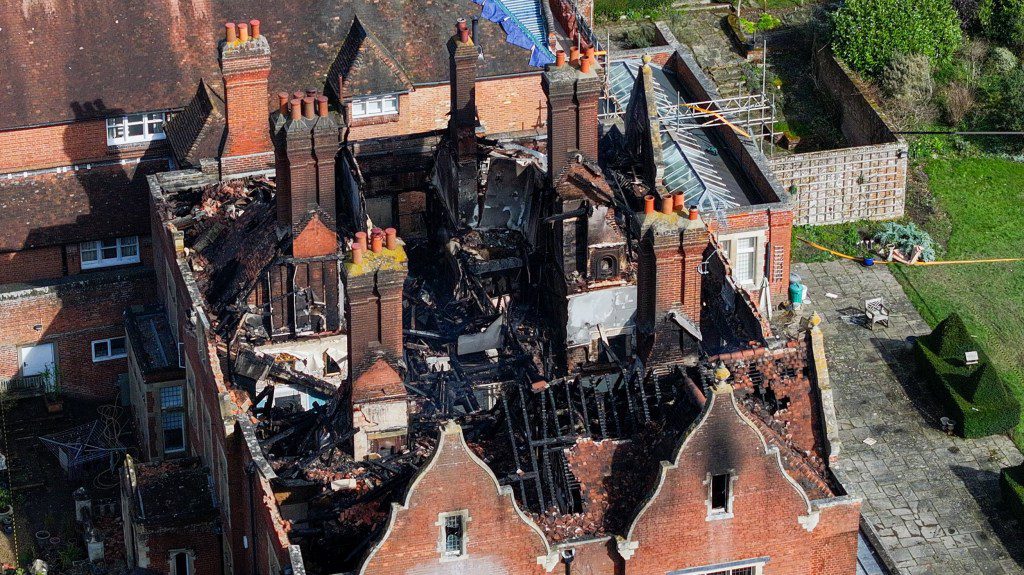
(199, 539)
(766, 508)
(498, 540)
(72, 316)
(32, 264)
(503, 105)
(64, 145)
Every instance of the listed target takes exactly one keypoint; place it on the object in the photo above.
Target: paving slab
(933, 500)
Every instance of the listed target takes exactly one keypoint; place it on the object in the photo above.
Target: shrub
(1001, 61)
(1002, 20)
(633, 9)
(869, 33)
(1002, 101)
(641, 36)
(967, 10)
(1011, 481)
(975, 396)
(908, 78)
(905, 237)
(957, 103)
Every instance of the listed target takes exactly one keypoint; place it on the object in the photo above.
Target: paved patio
(932, 500)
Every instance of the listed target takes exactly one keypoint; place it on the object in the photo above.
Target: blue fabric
(493, 11)
(540, 58)
(515, 35)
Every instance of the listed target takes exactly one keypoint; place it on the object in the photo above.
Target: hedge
(1011, 480)
(975, 396)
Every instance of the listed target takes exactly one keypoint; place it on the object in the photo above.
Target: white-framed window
(136, 128)
(172, 418)
(182, 562)
(112, 252)
(746, 567)
(107, 349)
(720, 495)
(452, 537)
(745, 254)
(375, 106)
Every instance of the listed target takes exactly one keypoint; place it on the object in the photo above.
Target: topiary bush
(975, 396)
(1011, 482)
(868, 34)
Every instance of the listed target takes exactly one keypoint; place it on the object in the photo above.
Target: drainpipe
(250, 470)
(567, 556)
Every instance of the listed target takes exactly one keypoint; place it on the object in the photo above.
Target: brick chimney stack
(374, 277)
(462, 79)
(307, 143)
(692, 242)
(245, 66)
(573, 90)
(559, 84)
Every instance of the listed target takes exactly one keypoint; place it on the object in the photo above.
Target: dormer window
(135, 128)
(375, 106)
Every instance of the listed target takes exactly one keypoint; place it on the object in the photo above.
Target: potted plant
(51, 390)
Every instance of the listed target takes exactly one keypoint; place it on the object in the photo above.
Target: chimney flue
(574, 55)
(243, 32)
(307, 107)
(321, 105)
(230, 33)
(296, 108)
(361, 239)
(462, 30)
(254, 28)
(560, 58)
(282, 103)
(677, 201)
(392, 238)
(666, 205)
(357, 254)
(473, 27)
(376, 240)
(648, 204)
(585, 65)
(694, 213)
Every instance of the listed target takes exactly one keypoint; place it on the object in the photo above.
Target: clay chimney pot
(694, 213)
(648, 204)
(357, 254)
(230, 33)
(254, 28)
(574, 55)
(307, 107)
(392, 238)
(666, 205)
(677, 201)
(282, 103)
(376, 244)
(296, 105)
(585, 65)
(321, 105)
(560, 58)
(361, 239)
(243, 32)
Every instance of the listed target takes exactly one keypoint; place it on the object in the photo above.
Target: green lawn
(980, 214)
(984, 200)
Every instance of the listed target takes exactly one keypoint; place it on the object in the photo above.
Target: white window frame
(729, 245)
(109, 345)
(386, 105)
(123, 248)
(730, 568)
(190, 558)
(717, 513)
(177, 410)
(151, 124)
(442, 548)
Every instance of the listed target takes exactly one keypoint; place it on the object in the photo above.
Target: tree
(1002, 20)
(868, 34)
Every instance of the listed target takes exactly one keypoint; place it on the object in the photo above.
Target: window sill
(373, 120)
(719, 516)
(111, 358)
(109, 266)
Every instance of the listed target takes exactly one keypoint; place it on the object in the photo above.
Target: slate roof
(89, 204)
(366, 66)
(96, 58)
(197, 132)
(153, 344)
